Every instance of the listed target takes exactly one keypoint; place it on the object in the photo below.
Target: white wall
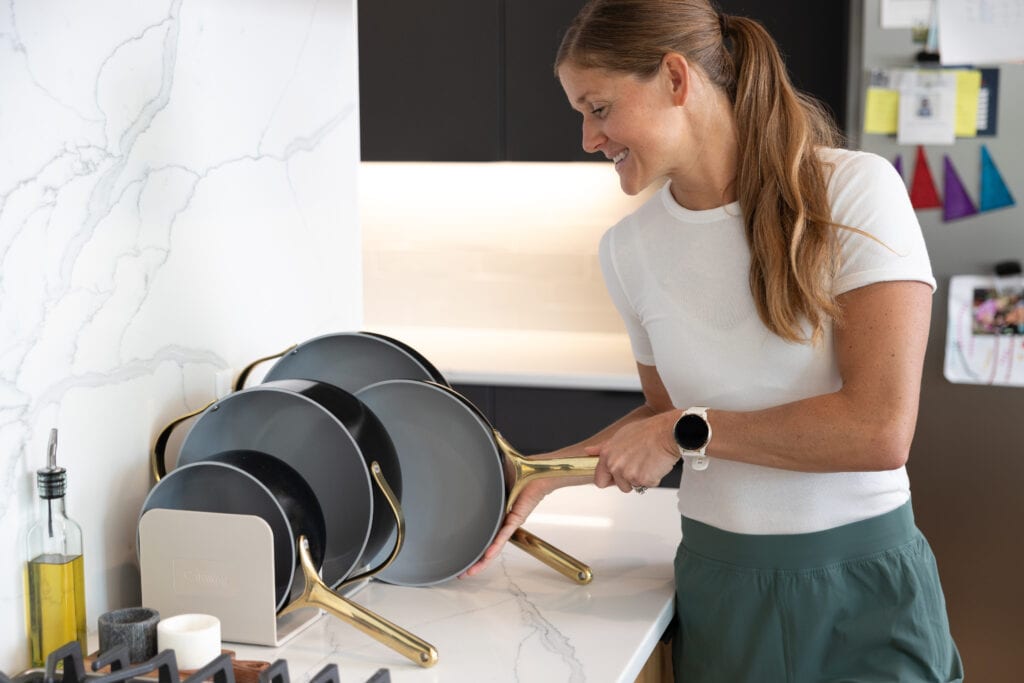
(177, 197)
(489, 245)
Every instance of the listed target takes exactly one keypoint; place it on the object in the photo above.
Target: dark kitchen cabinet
(430, 85)
(472, 80)
(465, 80)
(814, 39)
(540, 125)
(539, 420)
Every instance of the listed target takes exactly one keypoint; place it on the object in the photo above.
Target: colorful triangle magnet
(994, 193)
(958, 204)
(923, 194)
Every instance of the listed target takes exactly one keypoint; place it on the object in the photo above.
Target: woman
(777, 295)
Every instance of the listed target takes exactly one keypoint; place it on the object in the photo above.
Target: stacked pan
(396, 470)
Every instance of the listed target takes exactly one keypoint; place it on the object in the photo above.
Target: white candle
(195, 638)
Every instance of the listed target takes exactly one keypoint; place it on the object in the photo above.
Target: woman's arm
(869, 423)
(866, 425)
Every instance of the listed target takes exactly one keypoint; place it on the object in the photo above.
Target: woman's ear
(676, 70)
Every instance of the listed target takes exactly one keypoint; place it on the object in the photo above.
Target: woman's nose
(592, 137)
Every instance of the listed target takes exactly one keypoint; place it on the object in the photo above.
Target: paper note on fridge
(927, 114)
(981, 31)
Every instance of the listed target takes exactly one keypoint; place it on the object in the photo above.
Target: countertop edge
(643, 653)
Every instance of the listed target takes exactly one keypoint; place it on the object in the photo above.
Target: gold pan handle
(396, 510)
(520, 470)
(158, 456)
(316, 594)
(244, 374)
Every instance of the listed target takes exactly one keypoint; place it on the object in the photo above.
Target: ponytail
(781, 183)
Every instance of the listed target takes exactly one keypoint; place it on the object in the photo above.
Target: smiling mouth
(620, 157)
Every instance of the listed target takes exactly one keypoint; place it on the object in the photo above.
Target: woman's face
(638, 124)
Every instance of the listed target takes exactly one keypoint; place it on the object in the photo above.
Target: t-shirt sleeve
(868, 194)
(638, 339)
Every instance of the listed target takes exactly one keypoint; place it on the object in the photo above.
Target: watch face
(691, 432)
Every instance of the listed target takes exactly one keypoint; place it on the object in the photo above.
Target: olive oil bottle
(55, 576)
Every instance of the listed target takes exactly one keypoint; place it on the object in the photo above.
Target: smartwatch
(693, 434)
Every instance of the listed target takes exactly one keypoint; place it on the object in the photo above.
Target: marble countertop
(540, 358)
(519, 620)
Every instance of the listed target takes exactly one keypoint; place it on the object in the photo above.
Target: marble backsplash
(177, 197)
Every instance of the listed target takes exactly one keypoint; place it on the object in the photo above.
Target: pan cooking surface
(452, 480)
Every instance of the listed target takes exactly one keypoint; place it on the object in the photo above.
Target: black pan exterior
(293, 494)
(374, 444)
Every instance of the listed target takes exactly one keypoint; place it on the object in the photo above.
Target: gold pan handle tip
(559, 560)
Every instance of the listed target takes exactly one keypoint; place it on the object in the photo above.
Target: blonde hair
(781, 181)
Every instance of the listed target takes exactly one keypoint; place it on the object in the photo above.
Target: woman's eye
(599, 112)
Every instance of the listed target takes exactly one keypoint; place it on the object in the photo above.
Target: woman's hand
(638, 454)
(524, 504)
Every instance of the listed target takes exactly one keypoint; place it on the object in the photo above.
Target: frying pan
(255, 483)
(457, 470)
(350, 360)
(325, 434)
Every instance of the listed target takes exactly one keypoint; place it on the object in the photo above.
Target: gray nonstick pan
(459, 478)
(350, 360)
(325, 434)
(253, 483)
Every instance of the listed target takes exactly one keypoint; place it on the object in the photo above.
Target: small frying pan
(249, 482)
(456, 470)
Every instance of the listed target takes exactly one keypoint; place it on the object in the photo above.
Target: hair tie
(723, 22)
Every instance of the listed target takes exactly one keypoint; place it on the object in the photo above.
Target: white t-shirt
(680, 281)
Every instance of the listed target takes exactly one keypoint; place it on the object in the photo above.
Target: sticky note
(881, 111)
(968, 87)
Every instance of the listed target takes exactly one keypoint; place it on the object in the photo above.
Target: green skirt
(859, 603)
